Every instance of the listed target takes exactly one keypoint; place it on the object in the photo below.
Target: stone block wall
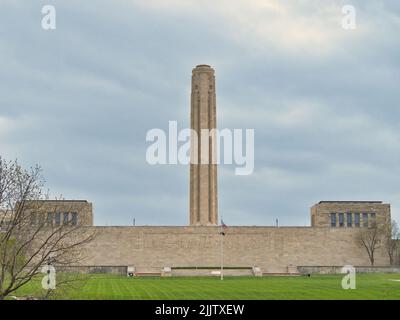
(320, 212)
(273, 249)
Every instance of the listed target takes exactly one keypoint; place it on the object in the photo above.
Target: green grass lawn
(369, 286)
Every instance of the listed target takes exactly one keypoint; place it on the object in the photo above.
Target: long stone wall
(273, 249)
(338, 269)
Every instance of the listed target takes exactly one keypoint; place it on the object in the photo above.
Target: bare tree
(391, 236)
(371, 239)
(28, 244)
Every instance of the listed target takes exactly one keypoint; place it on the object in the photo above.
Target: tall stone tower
(203, 173)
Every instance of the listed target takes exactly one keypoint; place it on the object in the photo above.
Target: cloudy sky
(324, 102)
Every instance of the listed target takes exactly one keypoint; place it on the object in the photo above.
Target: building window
(74, 218)
(333, 219)
(349, 218)
(356, 219)
(365, 220)
(65, 218)
(49, 218)
(33, 218)
(341, 219)
(58, 218)
(373, 218)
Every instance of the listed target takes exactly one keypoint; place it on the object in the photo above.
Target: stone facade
(196, 249)
(53, 212)
(273, 249)
(349, 214)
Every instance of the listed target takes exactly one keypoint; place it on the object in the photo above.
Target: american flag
(223, 226)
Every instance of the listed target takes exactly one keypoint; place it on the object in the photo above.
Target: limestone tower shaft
(203, 175)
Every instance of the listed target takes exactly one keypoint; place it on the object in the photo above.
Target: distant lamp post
(223, 226)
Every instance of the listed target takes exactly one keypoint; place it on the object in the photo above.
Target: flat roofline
(200, 227)
(56, 201)
(349, 201)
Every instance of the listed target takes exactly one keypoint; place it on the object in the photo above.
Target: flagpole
(222, 251)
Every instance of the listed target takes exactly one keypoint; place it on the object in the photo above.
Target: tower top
(203, 68)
